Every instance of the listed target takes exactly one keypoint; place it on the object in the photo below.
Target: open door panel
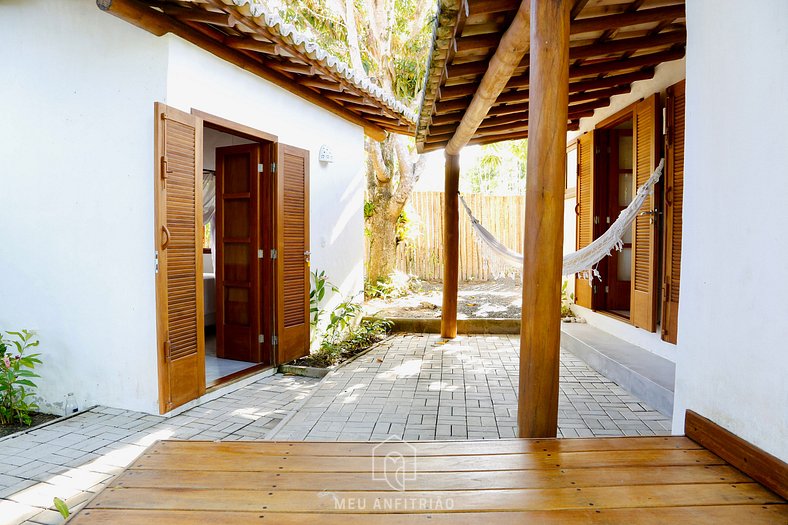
(238, 263)
(292, 240)
(644, 239)
(178, 248)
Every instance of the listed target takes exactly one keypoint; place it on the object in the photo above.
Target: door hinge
(260, 254)
(596, 219)
(273, 167)
(274, 254)
(260, 168)
(594, 290)
(608, 220)
(156, 260)
(274, 340)
(261, 339)
(607, 289)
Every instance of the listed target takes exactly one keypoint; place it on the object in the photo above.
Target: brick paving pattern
(417, 387)
(412, 386)
(75, 458)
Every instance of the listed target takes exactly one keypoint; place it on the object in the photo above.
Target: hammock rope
(583, 261)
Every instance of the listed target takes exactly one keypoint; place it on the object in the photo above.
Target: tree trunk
(382, 246)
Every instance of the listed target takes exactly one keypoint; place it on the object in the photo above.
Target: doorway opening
(237, 277)
(614, 188)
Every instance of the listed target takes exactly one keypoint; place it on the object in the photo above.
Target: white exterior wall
(733, 334)
(199, 80)
(76, 219)
(666, 75)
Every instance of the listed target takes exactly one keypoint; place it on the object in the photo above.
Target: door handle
(165, 241)
(651, 213)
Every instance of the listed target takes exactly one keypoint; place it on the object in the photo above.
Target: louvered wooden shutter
(178, 234)
(644, 239)
(293, 248)
(585, 210)
(674, 203)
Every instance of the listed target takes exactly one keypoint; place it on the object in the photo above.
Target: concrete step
(643, 374)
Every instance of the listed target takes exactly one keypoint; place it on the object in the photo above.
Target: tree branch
(352, 38)
(410, 172)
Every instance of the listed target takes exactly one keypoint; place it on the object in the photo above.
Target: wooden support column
(451, 247)
(537, 414)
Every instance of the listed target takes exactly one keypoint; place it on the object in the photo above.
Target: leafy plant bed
(336, 350)
(305, 371)
(36, 419)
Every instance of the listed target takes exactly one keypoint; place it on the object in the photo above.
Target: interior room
(615, 188)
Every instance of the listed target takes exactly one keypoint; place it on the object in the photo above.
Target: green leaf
(61, 507)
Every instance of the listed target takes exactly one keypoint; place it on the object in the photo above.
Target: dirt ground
(501, 298)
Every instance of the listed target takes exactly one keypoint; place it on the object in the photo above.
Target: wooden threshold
(236, 376)
(601, 480)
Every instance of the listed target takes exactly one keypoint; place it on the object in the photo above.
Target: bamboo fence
(422, 256)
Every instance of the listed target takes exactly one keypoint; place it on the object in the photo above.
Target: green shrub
(396, 285)
(320, 284)
(567, 300)
(16, 374)
(353, 341)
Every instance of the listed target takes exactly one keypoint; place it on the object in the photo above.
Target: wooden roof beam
(589, 51)
(290, 67)
(487, 7)
(513, 46)
(644, 16)
(609, 66)
(252, 44)
(445, 108)
(465, 44)
(198, 15)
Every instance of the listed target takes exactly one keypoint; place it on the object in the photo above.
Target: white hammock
(583, 261)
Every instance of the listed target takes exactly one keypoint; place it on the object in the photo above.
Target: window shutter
(585, 210)
(644, 238)
(674, 203)
(293, 248)
(178, 220)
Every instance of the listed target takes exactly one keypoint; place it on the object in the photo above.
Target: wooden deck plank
(616, 480)
(537, 460)
(719, 515)
(486, 480)
(370, 502)
(431, 448)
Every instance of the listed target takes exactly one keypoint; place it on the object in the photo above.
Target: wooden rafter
(233, 34)
(612, 45)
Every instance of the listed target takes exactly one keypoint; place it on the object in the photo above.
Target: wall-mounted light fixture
(325, 154)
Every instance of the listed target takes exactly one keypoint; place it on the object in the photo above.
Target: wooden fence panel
(504, 216)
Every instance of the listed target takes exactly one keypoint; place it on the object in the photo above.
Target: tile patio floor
(410, 386)
(417, 387)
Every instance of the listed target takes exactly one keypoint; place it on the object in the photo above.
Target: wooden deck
(615, 480)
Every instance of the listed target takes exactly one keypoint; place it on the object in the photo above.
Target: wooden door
(238, 253)
(644, 238)
(619, 193)
(585, 211)
(178, 246)
(674, 205)
(293, 253)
